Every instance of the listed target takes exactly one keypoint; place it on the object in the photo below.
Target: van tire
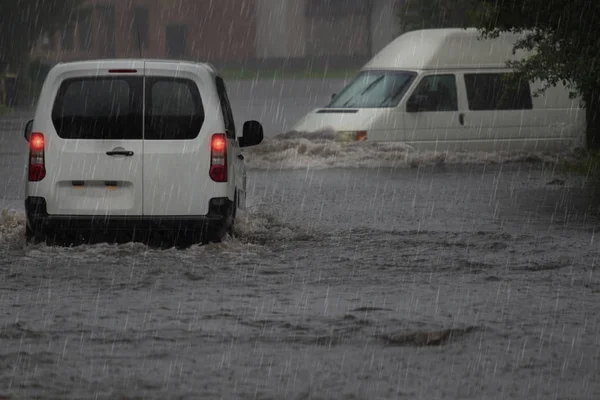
(231, 228)
(31, 237)
(210, 236)
(28, 234)
(216, 236)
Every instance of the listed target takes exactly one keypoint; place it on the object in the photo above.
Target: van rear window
(174, 109)
(101, 108)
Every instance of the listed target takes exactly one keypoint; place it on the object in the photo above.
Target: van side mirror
(252, 134)
(28, 128)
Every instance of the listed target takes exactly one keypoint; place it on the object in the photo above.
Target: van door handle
(461, 118)
(125, 153)
(241, 157)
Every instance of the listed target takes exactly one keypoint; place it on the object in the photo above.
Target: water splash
(12, 230)
(262, 226)
(321, 150)
(254, 228)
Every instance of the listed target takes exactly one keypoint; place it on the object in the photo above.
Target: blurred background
(243, 38)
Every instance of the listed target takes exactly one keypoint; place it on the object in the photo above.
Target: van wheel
(211, 235)
(31, 237)
(214, 236)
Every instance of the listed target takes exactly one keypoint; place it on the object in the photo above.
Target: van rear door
(94, 153)
(178, 126)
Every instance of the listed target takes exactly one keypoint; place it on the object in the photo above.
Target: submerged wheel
(211, 235)
(31, 237)
(231, 228)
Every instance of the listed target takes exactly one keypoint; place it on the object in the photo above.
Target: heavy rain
(411, 225)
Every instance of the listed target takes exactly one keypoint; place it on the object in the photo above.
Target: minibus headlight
(351, 136)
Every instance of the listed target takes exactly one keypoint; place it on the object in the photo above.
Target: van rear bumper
(38, 220)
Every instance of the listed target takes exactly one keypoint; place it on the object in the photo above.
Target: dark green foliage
(564, 36)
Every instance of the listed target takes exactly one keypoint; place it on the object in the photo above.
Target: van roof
(86, 64)
(449, 48)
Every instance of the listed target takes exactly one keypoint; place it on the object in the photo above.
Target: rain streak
(413, 222)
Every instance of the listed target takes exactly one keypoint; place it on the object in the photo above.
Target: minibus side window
(497, 91)
(434, 93)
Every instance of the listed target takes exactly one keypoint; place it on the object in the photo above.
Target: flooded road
(396, 280)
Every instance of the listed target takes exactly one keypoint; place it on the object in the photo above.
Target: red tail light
(37, 167)
(218, 143)
(218, 157)
(37, 142)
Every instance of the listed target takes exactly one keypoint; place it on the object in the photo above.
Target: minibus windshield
(374, 89)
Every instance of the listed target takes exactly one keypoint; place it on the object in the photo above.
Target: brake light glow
(351, 136)
(37, 142)
(37, 168)
(218, 157)
(218, 143)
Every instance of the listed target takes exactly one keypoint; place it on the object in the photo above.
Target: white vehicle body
(443, 89)
(132, 142)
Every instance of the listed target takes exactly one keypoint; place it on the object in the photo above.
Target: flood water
(354, 274)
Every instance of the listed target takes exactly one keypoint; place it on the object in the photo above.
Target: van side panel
(563, 117)
(236, 170)
(550, 123)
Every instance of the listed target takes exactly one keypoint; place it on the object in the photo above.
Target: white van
(444, 89)
(144, 145)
